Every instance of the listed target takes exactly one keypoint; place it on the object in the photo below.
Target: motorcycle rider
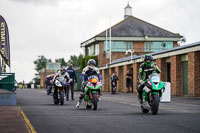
(89, 70)
(62, 76)
(146, 68)
(114, 79)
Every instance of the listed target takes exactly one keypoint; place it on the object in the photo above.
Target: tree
(61, 61)
(37, 80)
(85, 60)
(75, 60)
(40, 63)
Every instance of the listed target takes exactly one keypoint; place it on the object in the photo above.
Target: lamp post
(130, 51)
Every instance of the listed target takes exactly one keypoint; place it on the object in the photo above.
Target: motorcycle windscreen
(166, 96)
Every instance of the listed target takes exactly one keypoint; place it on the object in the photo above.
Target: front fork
(91, 96)
(148, 96)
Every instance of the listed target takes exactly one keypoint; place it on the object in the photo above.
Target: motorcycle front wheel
(155, 104)
(55, 99)
(95, 101)
(61, 97)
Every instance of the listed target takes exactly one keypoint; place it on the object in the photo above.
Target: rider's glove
(141, 82)
(83, 82)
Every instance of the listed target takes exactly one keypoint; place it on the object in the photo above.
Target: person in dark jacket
(129, 81)
(114, 79)
(48, 83)
(73, 78)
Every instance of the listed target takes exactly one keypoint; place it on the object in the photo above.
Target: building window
(157, 46)
(97, 49)
(129, 45)
(90, 50)
(117, 46)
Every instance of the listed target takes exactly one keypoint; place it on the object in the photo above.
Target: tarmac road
(115, 114)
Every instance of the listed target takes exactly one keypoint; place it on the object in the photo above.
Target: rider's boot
(78, 104)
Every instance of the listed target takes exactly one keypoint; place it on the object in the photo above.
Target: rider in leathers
(146, 68)
(62, 76)
(88, 71)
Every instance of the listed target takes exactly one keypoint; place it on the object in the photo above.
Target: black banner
(4, 43)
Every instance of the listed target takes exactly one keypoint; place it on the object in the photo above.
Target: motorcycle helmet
(148, 60)
(91, 61)
(63, 70)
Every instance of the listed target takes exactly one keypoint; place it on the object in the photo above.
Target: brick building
(180, 66)
(51, 68)
(129, 34)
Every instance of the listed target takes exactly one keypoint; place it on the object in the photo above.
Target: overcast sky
(55, 28)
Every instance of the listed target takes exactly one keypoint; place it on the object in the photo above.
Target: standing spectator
(23, 84)
(129, 81)
(72, 75)
(114, 79)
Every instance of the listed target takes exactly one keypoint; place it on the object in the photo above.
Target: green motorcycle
(152, 94)
(92, 92)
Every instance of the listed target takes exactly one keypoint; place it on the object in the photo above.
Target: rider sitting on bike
(146, 68)
(88, 71)
(62, 76)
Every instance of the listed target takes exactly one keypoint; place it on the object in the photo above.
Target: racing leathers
(88, 71)
(63, 78)
(144, 72)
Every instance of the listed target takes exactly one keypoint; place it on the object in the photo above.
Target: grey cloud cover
(55, 28)
(41, 2)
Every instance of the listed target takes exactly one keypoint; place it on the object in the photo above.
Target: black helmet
(91, 61)
(148, 59)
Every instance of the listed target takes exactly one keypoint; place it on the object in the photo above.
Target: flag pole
(110, 43)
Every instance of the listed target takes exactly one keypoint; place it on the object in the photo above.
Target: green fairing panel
(94, 92)
(87, 97)
(160, 86)
(98, 87)
(155, 93)
(86, 89)
(145, 95)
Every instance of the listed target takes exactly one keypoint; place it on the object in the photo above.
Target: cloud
(55, 28)
(44, 2)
